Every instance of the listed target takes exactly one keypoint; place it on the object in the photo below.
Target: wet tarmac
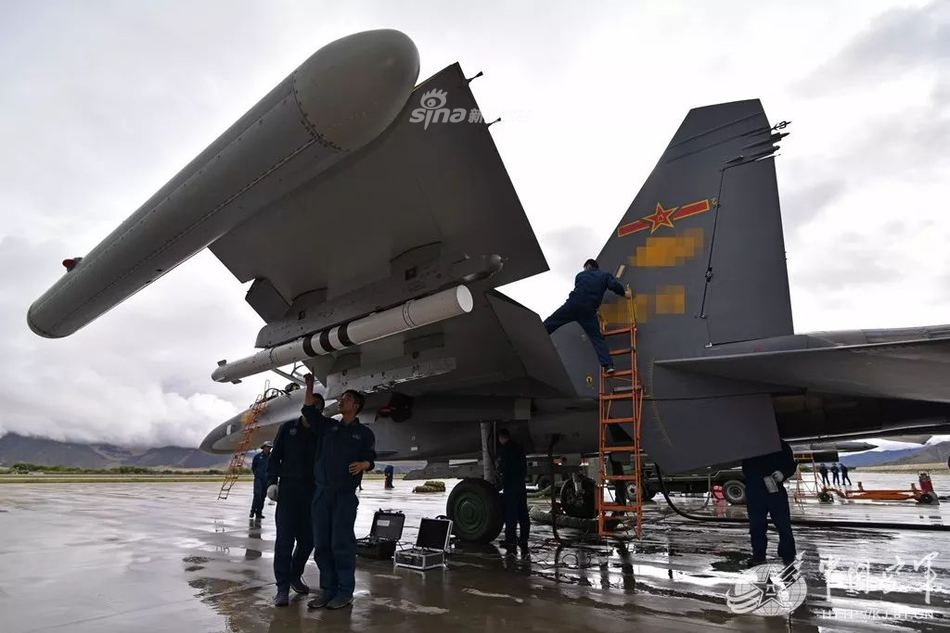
(169, 557)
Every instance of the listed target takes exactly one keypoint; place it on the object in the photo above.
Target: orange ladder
(623, 389)
(249, 424)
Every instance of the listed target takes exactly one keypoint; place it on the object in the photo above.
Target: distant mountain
(933, 453)
(36, 450)
(876, 458)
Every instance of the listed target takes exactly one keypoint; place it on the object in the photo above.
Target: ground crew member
(290, 484)
(514, 469)
(823, 471)
(765, 495)
(259, 468)
(388, 473)
(834, 475)
(345, 450)
(844, 475)
(581, 306)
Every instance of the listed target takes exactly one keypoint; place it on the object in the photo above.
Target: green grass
(27, 468)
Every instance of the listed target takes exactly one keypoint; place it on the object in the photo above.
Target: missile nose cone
(352, 89)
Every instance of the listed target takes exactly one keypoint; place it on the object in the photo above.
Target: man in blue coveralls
(259, 468)
(514, 468)
(290, 484)
(345, 450)
(765, 495)
(589, 287)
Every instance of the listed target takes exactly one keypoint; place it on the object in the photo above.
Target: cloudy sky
(102, 102)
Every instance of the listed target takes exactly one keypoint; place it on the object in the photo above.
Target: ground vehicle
(731, 480)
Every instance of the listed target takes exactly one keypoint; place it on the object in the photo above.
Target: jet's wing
(907, 370)
(362, 237)
(431, 182)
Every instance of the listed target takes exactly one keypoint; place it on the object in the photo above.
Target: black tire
(476, 512)
(927, 498)
(734, 492)
(825, 497)
(646, 492)
(580, 506)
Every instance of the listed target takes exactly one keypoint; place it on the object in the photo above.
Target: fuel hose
(925, 527)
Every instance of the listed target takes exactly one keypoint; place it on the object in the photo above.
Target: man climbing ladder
(581, 306)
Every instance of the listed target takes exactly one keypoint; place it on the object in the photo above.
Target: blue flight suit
(335, 501)
(259, 468)
(514, 468)
(760, 502)
(581, 306)
(290, 465)
(823, 471)
(844, 475)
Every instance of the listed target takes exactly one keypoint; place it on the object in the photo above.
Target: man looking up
(290, 484)
(345, 450)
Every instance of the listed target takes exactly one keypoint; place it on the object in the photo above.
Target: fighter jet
(376, 221)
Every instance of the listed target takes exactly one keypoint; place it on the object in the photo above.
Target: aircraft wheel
(579, 506)
(476, 512)
(646, 492)
(927, 499)
(734, 492)
(824, 496)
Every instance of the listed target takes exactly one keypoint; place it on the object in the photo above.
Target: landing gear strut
(475, 505)
(577, 497)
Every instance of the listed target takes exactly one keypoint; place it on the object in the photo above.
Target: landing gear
(645, 490)
(577, 497)
(476, 512)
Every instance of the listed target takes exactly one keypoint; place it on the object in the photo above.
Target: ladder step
(616, 507)
(622, 330)
(618, 420)
(620, 372)
(617, 396)
(625, 350)
(621, 477)
(620, 449)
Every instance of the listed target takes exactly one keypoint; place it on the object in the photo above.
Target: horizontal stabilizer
(908, 370)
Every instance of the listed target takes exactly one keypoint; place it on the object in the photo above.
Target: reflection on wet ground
(157, 557)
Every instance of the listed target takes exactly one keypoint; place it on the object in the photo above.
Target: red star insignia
(660, 217)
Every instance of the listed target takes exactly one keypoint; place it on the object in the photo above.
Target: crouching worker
(345, 450)
(290, 484)
(765, 495)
